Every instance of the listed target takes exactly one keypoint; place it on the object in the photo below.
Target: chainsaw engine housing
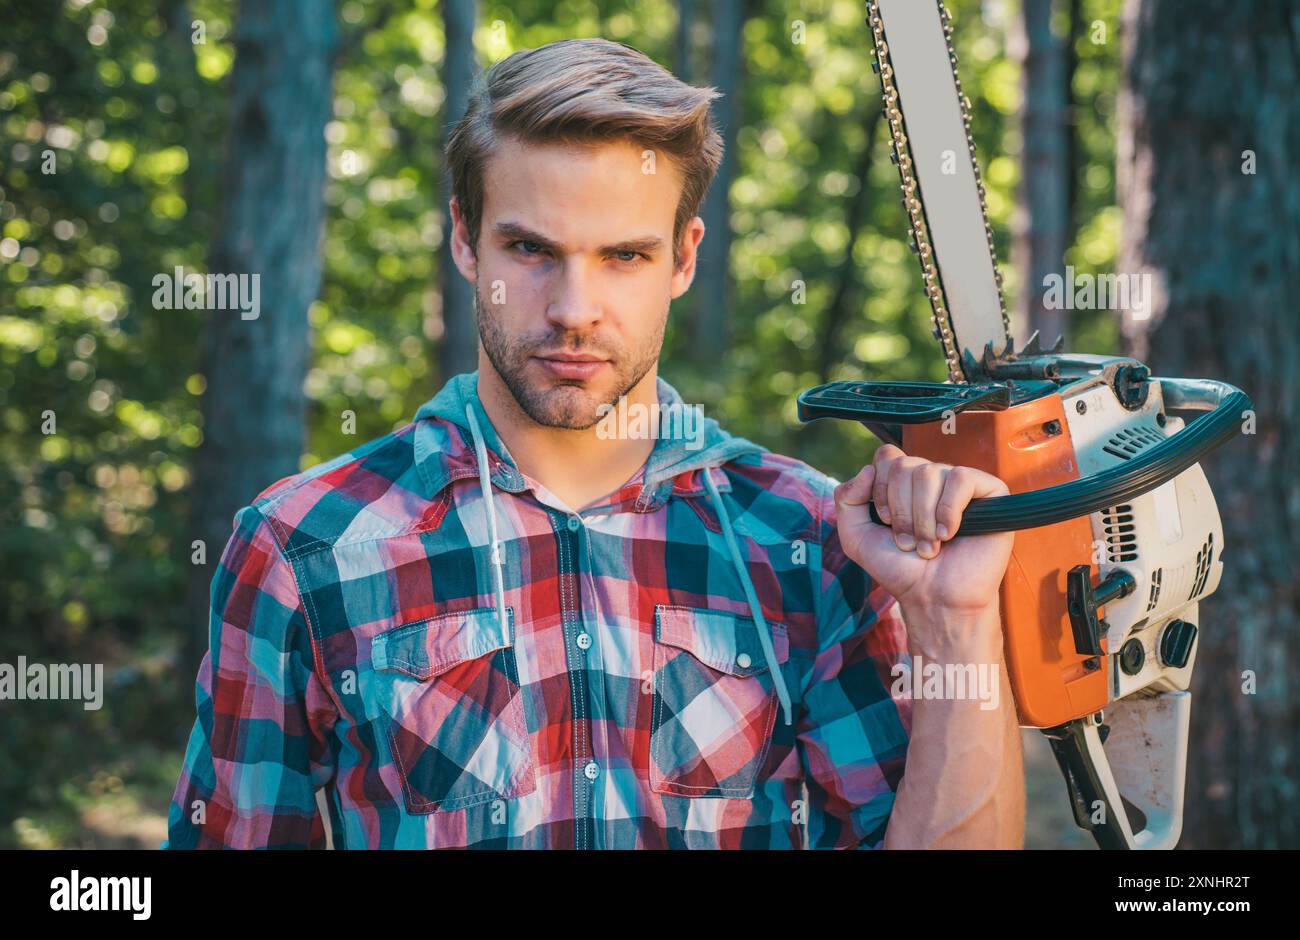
(1164, 546)
(1169, 540)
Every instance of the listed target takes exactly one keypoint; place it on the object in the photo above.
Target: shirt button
(591, 771)
(743, 660)
(574, 523)
(584, 641)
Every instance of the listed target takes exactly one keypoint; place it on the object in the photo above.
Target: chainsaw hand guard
(923, 402)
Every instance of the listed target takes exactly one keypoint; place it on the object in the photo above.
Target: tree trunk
(1209, 86)
(713, 268)
(458, 349)
(273, 185)
(1075, 26)
(682, 54)
(1042, 219)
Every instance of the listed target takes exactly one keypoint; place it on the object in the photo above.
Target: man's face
(574, 272)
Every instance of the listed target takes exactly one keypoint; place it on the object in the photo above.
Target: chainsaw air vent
(1127, 442)
(1121, 534)
(1203, 559)
(1155, 589)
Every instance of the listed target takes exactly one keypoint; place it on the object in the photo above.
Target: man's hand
(964, 785)
(914, 558)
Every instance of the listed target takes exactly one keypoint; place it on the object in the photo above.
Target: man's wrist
(945, 635)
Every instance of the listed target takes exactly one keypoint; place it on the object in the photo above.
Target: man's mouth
(580, 366)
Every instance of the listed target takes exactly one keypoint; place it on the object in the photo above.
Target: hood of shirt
(685, 443)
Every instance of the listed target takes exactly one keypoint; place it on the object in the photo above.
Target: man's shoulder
(788, 495)
(785, 499)
(375, 490)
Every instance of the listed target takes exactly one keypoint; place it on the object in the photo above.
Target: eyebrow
(513, 230)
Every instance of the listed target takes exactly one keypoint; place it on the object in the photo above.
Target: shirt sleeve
(261, 742)
(852, 734)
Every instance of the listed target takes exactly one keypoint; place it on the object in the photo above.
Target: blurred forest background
(302, 139)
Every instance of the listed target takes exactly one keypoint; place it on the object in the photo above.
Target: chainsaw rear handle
(1152, 468)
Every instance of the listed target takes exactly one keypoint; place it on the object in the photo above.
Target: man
(512, 624)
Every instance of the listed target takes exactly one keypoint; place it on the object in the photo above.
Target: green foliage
(807, 110)
(94, 544)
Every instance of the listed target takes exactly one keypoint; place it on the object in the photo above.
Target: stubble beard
(560, 403)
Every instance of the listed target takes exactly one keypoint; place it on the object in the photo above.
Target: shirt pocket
(449, 692)
(714, 702)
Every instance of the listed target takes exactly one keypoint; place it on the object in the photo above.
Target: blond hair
(585, 91)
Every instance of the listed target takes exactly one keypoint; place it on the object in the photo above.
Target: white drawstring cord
(485, 483)
(764, 636)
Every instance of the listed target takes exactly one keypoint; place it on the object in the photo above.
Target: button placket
(589, 641)
(569, 542)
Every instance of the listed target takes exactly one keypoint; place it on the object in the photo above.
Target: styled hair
(585, 91)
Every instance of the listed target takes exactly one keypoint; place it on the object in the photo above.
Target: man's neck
(580, 467)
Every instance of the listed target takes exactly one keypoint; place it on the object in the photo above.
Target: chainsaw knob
(1132, 657)
(1176, 643)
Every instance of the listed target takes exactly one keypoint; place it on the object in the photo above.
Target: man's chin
(567, 405)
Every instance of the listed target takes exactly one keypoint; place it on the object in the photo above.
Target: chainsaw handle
(1152, 468)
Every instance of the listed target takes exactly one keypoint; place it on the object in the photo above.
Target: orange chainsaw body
(1050, 679)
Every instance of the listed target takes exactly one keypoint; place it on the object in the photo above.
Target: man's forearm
(963, 786)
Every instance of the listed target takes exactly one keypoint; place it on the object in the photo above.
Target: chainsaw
(1118, 537)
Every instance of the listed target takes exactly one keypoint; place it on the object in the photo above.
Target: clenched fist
(913, 558)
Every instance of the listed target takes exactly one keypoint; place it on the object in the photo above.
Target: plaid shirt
(625, 702)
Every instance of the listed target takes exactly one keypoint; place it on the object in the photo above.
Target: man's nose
(577, 302)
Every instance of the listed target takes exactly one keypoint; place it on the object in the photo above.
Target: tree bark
(273, 185)
(682, 54)
(713, 271)
(1075, 26)
(458, 349)
(1205, 82)
(1042, 220)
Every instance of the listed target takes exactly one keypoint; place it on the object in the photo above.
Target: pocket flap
(429, 647)
(724, 641)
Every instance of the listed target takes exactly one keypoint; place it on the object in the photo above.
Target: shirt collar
(444, 451)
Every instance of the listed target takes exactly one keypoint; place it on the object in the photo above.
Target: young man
(504, 626)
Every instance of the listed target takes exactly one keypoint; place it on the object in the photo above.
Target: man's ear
(684, 275)
(462, 253)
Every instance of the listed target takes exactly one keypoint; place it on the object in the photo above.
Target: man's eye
(635, 255)
(528, 247)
